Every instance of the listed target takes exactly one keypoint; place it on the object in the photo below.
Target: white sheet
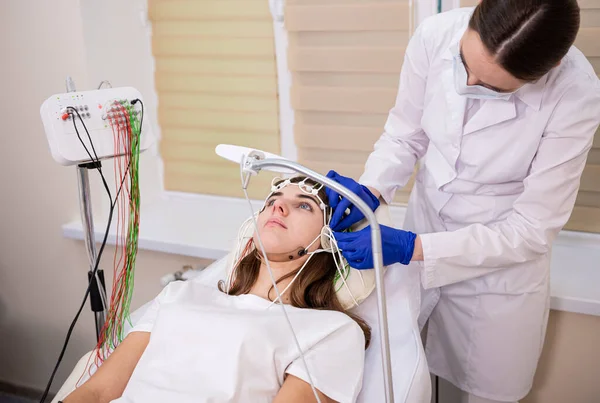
(208, 346)
(412, 383)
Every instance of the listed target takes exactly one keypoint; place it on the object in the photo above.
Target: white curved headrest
(361, 283)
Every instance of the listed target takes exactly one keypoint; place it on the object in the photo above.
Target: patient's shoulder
(186, 291)
(338, 324)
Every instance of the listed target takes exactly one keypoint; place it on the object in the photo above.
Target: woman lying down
(233, 344)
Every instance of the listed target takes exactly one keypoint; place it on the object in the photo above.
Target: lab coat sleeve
(539, 213)
(391, 164)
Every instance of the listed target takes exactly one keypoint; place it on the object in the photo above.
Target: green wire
(133, 228)
(115, 323)
(346, 272)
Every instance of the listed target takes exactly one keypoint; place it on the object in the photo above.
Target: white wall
(38, 195)
(117, 37)
(42, 275)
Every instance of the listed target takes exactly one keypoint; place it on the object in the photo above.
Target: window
(586, 215)
(345, 58)
(216, 83)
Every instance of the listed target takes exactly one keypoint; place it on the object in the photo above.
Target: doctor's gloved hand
(339, 220)
(397, 245)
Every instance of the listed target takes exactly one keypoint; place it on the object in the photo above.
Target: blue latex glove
(398, 246)
(339, 221)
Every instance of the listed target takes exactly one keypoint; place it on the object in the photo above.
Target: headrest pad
(361, 283)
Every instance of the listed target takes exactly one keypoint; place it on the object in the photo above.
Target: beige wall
(214, 59)
(42, 275)
(569, 369)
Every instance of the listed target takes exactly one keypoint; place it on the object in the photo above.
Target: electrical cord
(96, 160)
(133, 102)
(104, 82)
(87, 292)
(102, 246)
(122, 290)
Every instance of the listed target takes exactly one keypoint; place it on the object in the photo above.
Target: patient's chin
(272, 242)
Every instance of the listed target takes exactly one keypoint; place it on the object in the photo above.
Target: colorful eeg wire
(126, 124)
(126, 136)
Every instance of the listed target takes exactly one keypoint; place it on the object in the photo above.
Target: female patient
(200, 344)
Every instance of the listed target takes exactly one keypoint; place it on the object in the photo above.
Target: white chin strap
(310, 255)
(328, 245)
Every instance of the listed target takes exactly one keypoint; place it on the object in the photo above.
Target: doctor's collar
(532, 93)
(448, 54)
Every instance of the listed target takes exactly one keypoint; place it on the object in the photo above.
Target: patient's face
(290, 221)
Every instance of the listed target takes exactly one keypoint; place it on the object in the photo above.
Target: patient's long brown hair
(314, 288)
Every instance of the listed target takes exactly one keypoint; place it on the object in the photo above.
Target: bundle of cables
(126, 122)
(126, 126)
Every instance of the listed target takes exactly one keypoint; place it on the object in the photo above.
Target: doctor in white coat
(500, 109)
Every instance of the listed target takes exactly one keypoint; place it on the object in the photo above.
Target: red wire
(122, 143)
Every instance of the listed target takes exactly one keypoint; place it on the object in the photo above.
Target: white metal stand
(85, 207)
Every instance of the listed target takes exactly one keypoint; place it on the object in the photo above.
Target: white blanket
(410, 372)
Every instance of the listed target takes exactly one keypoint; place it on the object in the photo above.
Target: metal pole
(85, 207)
(254, 164)
(97, 288)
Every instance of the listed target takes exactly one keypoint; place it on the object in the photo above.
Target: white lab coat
(490, 197)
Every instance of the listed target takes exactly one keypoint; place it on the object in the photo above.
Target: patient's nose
(280, 207)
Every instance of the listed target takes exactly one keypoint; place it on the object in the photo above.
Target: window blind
(216, 81)
(345, 58)
(586, 215)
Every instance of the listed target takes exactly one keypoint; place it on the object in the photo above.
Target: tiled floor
(5, 398)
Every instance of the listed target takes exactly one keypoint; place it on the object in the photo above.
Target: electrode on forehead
(303, 185)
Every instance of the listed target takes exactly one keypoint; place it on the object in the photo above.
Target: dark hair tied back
(527, 37)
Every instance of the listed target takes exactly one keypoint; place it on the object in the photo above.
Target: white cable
(279, 297)
(337, 259)
(104, 82)
(291, 282)
(312, 385)
(238, 251)
(339, 264)
(334, 250)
